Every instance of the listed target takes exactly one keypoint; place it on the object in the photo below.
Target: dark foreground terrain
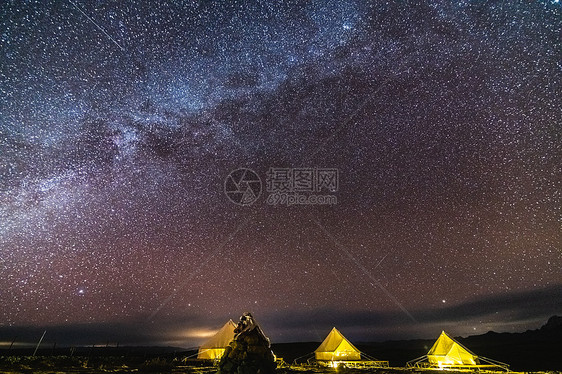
(83, 365)
(168, 364)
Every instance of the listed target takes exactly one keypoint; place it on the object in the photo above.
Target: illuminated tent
(336, 348)
(446, 352)
(213, 348)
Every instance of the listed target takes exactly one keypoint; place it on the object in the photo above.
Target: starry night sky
(120, 120)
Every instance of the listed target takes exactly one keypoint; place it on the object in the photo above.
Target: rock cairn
(249, 352)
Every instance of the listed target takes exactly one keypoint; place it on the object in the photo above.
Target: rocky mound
(249, 352)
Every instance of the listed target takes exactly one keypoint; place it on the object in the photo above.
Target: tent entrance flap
(336, 348)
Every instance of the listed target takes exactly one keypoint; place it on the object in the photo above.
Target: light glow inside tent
(334, 364)
(213, 349)
(448, 352)
(336, 348)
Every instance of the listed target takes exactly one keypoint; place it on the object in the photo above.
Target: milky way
(119, 122)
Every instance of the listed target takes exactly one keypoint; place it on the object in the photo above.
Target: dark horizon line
(20, 346)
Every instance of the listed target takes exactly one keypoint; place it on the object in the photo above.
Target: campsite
(446, 353)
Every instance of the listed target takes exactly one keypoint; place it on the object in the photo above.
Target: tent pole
(39, 343)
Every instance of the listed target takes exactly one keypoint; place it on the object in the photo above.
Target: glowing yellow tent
(336, 348)
(213, 348)
(448, 352)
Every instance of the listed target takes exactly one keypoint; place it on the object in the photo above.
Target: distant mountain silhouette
(530, 350)
(553, 323)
